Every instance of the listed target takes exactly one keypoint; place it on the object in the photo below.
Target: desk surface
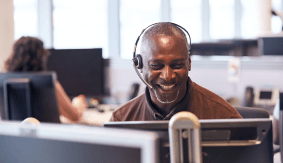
(95, 116)
(277, 157)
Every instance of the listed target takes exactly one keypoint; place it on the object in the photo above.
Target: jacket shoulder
(214, 101)
(123, 112)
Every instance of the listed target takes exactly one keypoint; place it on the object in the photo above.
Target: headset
(137, 59)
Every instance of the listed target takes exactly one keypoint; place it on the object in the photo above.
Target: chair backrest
(134, 91)
(251, 112)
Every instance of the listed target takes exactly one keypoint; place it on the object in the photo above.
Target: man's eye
(156, 67)
(177, 65)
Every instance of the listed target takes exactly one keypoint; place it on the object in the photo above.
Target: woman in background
(29, 55)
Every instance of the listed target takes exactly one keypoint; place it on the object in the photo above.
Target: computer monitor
(25, 95)
(222, 141)
(80, 71)
(50, 143)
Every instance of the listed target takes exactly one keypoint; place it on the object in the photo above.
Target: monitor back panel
(216, 132)
(30, 150)
(43, 97)
(50, 143)
(260, 153)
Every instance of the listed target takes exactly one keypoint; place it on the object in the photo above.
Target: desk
(277, 157)
(94, 116)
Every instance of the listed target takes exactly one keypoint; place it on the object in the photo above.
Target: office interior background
(114, 26)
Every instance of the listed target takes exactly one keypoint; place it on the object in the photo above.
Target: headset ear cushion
(139, 59)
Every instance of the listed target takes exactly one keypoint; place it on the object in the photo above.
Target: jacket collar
(184, 104)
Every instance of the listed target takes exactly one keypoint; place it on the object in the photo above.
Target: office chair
(134, 91)
(281, 124)
(251, 112)
(248, 101)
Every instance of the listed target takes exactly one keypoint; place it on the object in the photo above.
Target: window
(188, 15)
(276, 22)
(221, 24)
(248, 21)
(25, 18)
(80, 24)
(84, 23)
(134, 17)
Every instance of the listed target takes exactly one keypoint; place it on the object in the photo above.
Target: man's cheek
(183, 73)
(153, 75)
(146, 76)
(149, 77)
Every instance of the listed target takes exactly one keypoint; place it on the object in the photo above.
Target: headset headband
(137, 60)
(180, 27)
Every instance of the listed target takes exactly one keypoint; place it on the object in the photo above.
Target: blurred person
(29, 55)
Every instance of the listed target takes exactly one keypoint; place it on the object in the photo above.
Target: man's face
(166, 66)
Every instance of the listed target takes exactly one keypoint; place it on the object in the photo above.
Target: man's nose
(167, 73)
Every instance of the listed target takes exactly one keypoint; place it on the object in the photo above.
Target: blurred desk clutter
(264, 97)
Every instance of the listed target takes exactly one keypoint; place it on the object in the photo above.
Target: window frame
(45, 30)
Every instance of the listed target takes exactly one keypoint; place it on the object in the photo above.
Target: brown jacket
(198, 100)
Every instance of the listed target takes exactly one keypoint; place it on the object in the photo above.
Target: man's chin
(166, 98)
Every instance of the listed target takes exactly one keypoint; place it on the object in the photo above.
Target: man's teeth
(167, 87)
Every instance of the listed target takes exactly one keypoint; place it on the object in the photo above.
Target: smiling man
(166, 63)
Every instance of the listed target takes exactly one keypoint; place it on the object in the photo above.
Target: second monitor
(80, 71)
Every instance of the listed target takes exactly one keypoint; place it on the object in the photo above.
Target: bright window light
(222, 19)
(80, 24)
(188, 15)
(25, 18)
(134, 17)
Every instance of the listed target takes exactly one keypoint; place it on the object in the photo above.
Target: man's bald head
(163, 29)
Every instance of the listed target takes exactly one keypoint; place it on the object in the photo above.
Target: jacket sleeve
(112, 119)
(236, 116)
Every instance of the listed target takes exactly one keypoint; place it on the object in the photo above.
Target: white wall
(210, 73)
(6, 30)
(216, 80)
(121, 75)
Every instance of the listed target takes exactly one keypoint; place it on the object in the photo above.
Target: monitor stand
(184, 138)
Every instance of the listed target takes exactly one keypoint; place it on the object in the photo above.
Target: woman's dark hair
(28, 55)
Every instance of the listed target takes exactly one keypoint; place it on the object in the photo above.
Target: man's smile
(167, 87)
